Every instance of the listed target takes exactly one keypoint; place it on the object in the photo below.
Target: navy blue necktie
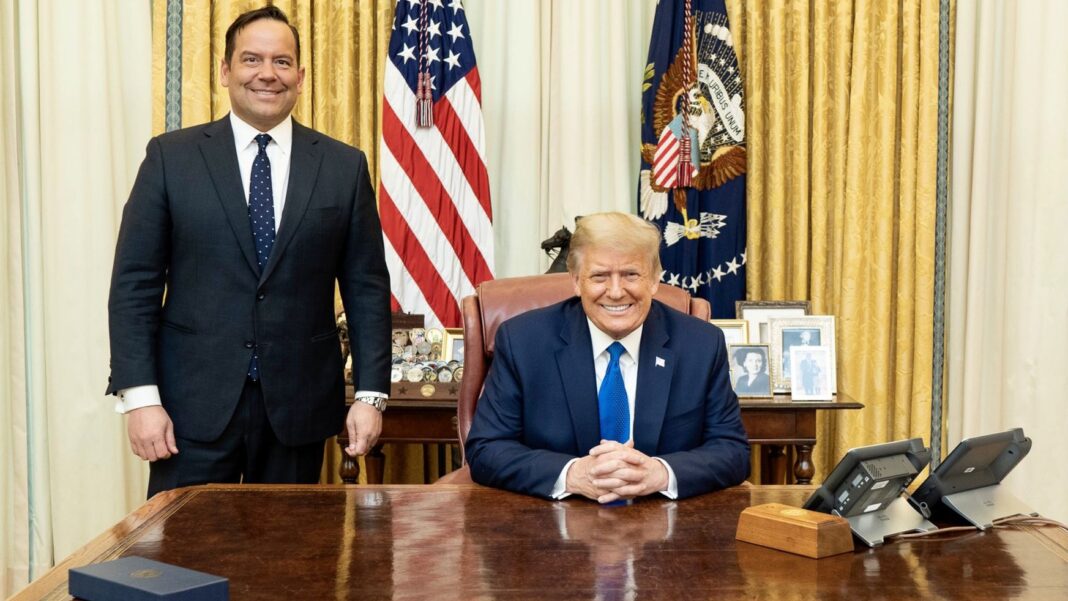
(612, 399)
(261, 217)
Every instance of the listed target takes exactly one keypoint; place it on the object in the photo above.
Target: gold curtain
(842, 117)
(343, 49)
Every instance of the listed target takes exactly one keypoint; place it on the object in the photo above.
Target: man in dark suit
(224, 345)
(610, 395)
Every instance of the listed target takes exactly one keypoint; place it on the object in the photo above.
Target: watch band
(374, 401)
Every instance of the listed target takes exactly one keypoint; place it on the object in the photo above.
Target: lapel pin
(660, 362)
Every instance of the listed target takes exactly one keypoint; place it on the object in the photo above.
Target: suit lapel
(219, 154)
(575, 361)
(303, 171)
(655, 369)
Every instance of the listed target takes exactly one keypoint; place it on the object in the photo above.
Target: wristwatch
(375, 401)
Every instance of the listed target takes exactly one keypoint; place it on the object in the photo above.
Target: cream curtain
(560, 95)
(76, 115)
(842, 104)
(1008, 319)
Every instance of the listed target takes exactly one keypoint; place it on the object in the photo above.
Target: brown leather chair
(497, 300)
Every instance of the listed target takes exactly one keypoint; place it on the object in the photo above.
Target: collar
(601, 341)
(245, 134)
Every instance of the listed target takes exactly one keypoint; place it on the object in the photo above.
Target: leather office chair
(497, 300)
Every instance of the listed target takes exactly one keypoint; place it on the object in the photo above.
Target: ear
(300, 79)
(575, 283)
(224, 73)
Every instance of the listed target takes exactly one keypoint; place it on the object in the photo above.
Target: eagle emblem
(712, 129)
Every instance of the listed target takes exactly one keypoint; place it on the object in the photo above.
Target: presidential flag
(434, 198)
(692, 178)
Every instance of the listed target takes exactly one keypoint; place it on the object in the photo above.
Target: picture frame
(812, 366)
(789, 332)
(454, 345)
(757, 314)
(735, 331)
(750, 377)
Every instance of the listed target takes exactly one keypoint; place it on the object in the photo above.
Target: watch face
(415, 374)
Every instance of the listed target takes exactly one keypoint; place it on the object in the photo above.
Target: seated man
(611, 395)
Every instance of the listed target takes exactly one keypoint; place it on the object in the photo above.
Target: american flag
(434, 197)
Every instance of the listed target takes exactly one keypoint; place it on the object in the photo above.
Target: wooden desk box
(795, 530)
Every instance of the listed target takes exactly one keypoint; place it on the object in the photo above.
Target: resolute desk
(468, 542)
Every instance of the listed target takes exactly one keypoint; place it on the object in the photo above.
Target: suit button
(261, 296)
(249, 344)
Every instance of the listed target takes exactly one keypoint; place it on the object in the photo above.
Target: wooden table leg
(349, 469)
(804, 469)
(376, 464)
(773, 466)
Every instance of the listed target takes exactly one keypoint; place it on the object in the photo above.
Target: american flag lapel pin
(660, 362)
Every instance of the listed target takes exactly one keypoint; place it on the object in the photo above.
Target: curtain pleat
(842, 110)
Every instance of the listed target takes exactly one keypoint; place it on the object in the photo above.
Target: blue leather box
(139, 579)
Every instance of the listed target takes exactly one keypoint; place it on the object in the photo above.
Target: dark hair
(267, 12)
(740, 353)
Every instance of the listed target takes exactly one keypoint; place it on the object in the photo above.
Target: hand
(364, 424)
(578, 481)
(625, 471)
(151, 433)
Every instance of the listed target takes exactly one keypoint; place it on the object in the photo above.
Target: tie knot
(615, 351)
(263, 140)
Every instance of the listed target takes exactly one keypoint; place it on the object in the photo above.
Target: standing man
(609, 395)
(224, 347)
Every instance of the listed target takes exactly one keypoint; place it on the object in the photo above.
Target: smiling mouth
(268, 93)
(616, 308)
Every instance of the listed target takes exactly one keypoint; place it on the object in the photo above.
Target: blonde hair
(616, 231)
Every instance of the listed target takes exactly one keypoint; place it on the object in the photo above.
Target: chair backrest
(498, 300)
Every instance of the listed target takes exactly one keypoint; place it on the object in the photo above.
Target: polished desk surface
(469, 542)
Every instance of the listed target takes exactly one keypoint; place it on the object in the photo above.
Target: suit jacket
(539, 406)
(762, 384)
(185, 230)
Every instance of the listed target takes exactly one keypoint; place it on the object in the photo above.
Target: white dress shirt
(279, 151)
(628, 367)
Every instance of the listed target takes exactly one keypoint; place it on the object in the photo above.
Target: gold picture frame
(744, 384)
(454, 345)
(735, 331)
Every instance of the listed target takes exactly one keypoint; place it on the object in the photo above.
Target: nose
(615, 286)
(266, 71)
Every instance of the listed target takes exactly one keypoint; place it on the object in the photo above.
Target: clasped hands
(614, 471)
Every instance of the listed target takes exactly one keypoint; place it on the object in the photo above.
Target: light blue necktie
(261, 217)
(612, 399)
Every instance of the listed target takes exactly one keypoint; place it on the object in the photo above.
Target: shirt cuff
(559, 490)
(672, 491)
(136, 398)
(371, 393)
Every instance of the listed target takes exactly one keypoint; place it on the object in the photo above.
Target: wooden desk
(774, 424)
(467, 542)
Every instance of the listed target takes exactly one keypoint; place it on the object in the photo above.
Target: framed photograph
(812, 369)
(749, 370)
(735, 331)
(757, 314)
(454, 345)
(790, 334)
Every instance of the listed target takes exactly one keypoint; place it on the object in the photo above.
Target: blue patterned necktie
(261, 217)
(612, 399)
